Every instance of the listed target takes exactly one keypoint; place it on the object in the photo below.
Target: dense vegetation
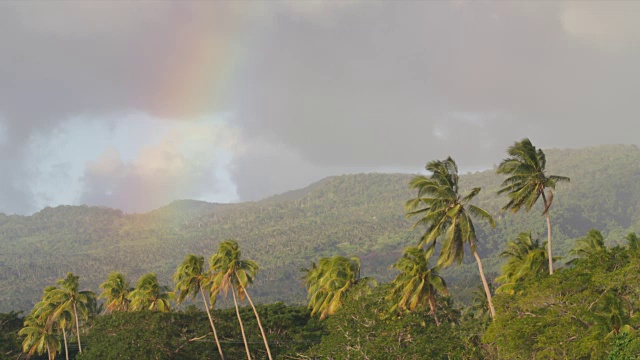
(587, 309)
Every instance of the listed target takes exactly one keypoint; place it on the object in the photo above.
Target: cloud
(610, 26)
(386, 84)
(184, 164)
(312, 88)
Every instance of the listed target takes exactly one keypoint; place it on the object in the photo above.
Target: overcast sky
(135, 104)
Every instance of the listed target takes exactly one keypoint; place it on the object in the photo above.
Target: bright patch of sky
(63, 155)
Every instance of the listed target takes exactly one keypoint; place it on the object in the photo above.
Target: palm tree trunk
(485, 284)
(64, 336)
(264, 337)
(244, 338)
(48, 352)
(215, 335)
(549, 252)
(75, 315)
(432, 305)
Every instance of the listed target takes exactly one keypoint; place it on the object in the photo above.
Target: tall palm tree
(149, 294)
(329, 282)
(527, 182)
(191, 279)
(38, 337)
(230, 272)
(70, 299)
(448, 215)
(417, 283)
(589, 245)
(54, 313)
(526, 257)
(116, 290)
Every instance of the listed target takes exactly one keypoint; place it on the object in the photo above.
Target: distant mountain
(359, 214)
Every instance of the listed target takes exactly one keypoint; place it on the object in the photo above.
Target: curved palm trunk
(549, 252)
(49, 351)
(215, 335)
(244, 338)
(66, 350)
(264, 337)
(75, 315)
(432, 305)
(485, 285)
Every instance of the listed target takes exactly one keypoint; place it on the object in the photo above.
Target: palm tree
(38, 338)
(190, 279)
(70, 299)
(116, 290)
(527, 182)
(230, 272)
(417, 283)
(149, 294)
(54, 312)
(329, 282)
(588, 246)
(447, 215)
(526, 257)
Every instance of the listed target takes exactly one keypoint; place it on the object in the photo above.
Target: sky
(132, 105)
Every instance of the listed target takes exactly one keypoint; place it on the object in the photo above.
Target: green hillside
(352, 214)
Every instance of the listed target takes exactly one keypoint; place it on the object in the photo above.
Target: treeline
(359, 215)
(587, 309)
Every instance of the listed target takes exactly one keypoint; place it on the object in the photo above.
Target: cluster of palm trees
(64, 308)
(449, 220)
(60, 309)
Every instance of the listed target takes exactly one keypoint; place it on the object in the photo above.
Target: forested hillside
(359, 215)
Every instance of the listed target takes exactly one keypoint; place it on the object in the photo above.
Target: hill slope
(352, 214)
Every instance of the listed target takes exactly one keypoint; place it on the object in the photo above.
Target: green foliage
(590, 245)
(526, 258)
(116, 292)
(578, 313)
(10, 343)
(329, 282)
(363, 329)
(417, 284)
(526, 181)
(150, 295)
(184, 335)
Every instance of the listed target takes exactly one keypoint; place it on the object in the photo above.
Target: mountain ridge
(358, 214)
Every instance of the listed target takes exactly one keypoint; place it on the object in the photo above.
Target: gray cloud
(398, 84)
(322, 88)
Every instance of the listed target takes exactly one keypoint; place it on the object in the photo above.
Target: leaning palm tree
(38, 338)
(448, 216)
(417, 284)
(191, 279)
(527, 182)
(230, 272)
(70, 299)
(116, 290)
(149, 294)
(329, 282)
(588, 246)
(526, 257)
